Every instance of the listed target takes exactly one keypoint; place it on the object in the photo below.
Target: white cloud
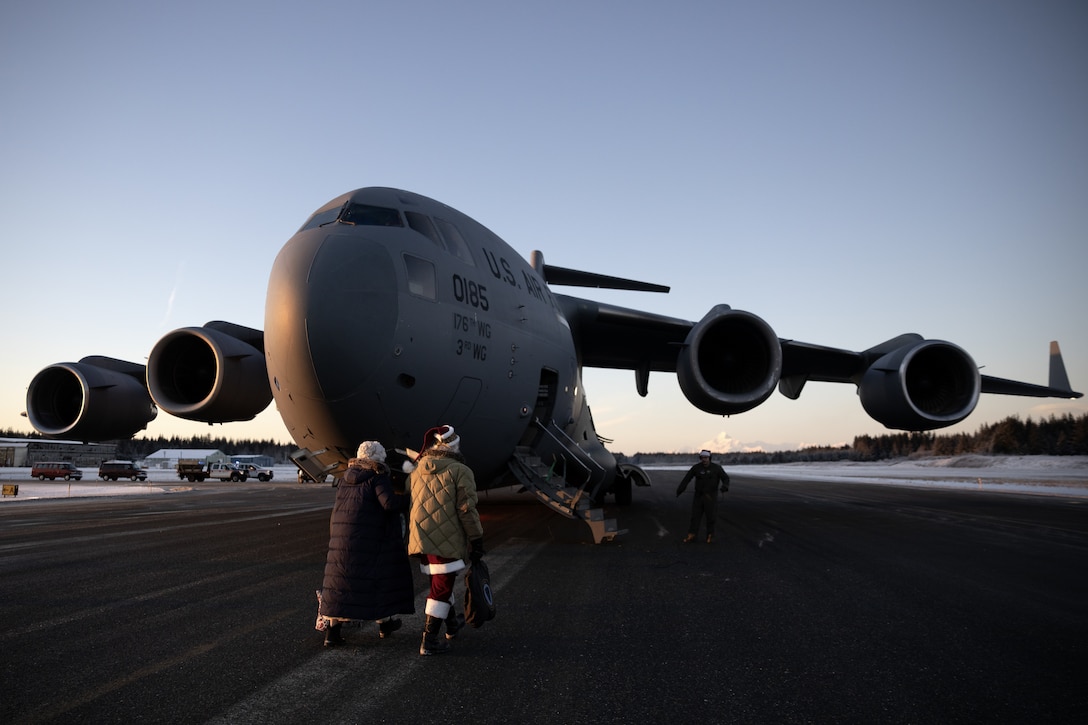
(724, 443)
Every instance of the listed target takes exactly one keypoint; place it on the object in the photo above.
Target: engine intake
(730, 362)
(97, 399)
(922, 386)
(212, 374)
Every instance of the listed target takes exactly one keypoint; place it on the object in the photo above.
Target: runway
(819, 602)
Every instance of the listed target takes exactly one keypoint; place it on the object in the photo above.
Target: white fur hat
(372, 450)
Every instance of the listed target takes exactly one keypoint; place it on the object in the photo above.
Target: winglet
(1058, 377)
(1057, 387)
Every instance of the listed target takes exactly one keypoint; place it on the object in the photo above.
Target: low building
(25, 452)
(167, 458)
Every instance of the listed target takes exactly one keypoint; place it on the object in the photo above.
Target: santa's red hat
(442, 435)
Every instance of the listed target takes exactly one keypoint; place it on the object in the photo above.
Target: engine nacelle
(731, 362)
(96, 399)
(212, 374)
(921, 386)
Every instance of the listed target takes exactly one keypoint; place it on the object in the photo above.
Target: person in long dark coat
(367, 574)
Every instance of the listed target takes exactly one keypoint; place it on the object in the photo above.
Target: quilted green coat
(443, 519)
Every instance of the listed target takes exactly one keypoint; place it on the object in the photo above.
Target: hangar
(25, 452)
(168, 457)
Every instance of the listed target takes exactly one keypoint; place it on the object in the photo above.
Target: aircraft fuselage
(388, 308)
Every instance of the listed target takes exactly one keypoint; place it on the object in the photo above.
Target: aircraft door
(544, 408)
(463, 401)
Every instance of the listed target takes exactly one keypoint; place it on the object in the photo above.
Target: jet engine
(730, 362)
(97, 399)
(213, 374)
(921, 386)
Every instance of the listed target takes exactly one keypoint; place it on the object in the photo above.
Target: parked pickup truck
(255, 471)
(195, 471)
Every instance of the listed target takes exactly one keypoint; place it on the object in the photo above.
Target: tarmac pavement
(818, 602)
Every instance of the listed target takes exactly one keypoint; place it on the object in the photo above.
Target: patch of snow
(1044, 475)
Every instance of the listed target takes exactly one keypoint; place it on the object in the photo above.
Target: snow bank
(1044, 475)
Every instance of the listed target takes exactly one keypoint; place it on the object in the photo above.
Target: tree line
(1065, 435)
(137, 449)
(140, 448)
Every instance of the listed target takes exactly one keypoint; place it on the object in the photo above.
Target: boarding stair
(551, 487)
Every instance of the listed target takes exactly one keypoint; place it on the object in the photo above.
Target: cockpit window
(443, 234)
(321, 218)
(421, 277)
(454, 241)
(422, 224)
(373, 216)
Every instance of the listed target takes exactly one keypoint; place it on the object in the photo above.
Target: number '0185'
(467, 291)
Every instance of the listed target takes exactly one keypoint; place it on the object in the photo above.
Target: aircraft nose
(333, 297)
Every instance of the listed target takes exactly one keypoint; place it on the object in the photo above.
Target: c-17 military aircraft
(389, 313)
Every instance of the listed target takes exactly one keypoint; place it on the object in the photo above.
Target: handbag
(479, 599)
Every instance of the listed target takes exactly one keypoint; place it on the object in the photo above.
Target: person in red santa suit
(443, 529)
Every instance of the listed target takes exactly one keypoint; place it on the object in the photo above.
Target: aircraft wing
(731, 361)
(803, 362)
(1058, 386)
(607, 336)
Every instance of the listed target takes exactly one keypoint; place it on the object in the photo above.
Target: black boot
(332, 636)
(432, 644)
(388, 627)
(454, 622)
